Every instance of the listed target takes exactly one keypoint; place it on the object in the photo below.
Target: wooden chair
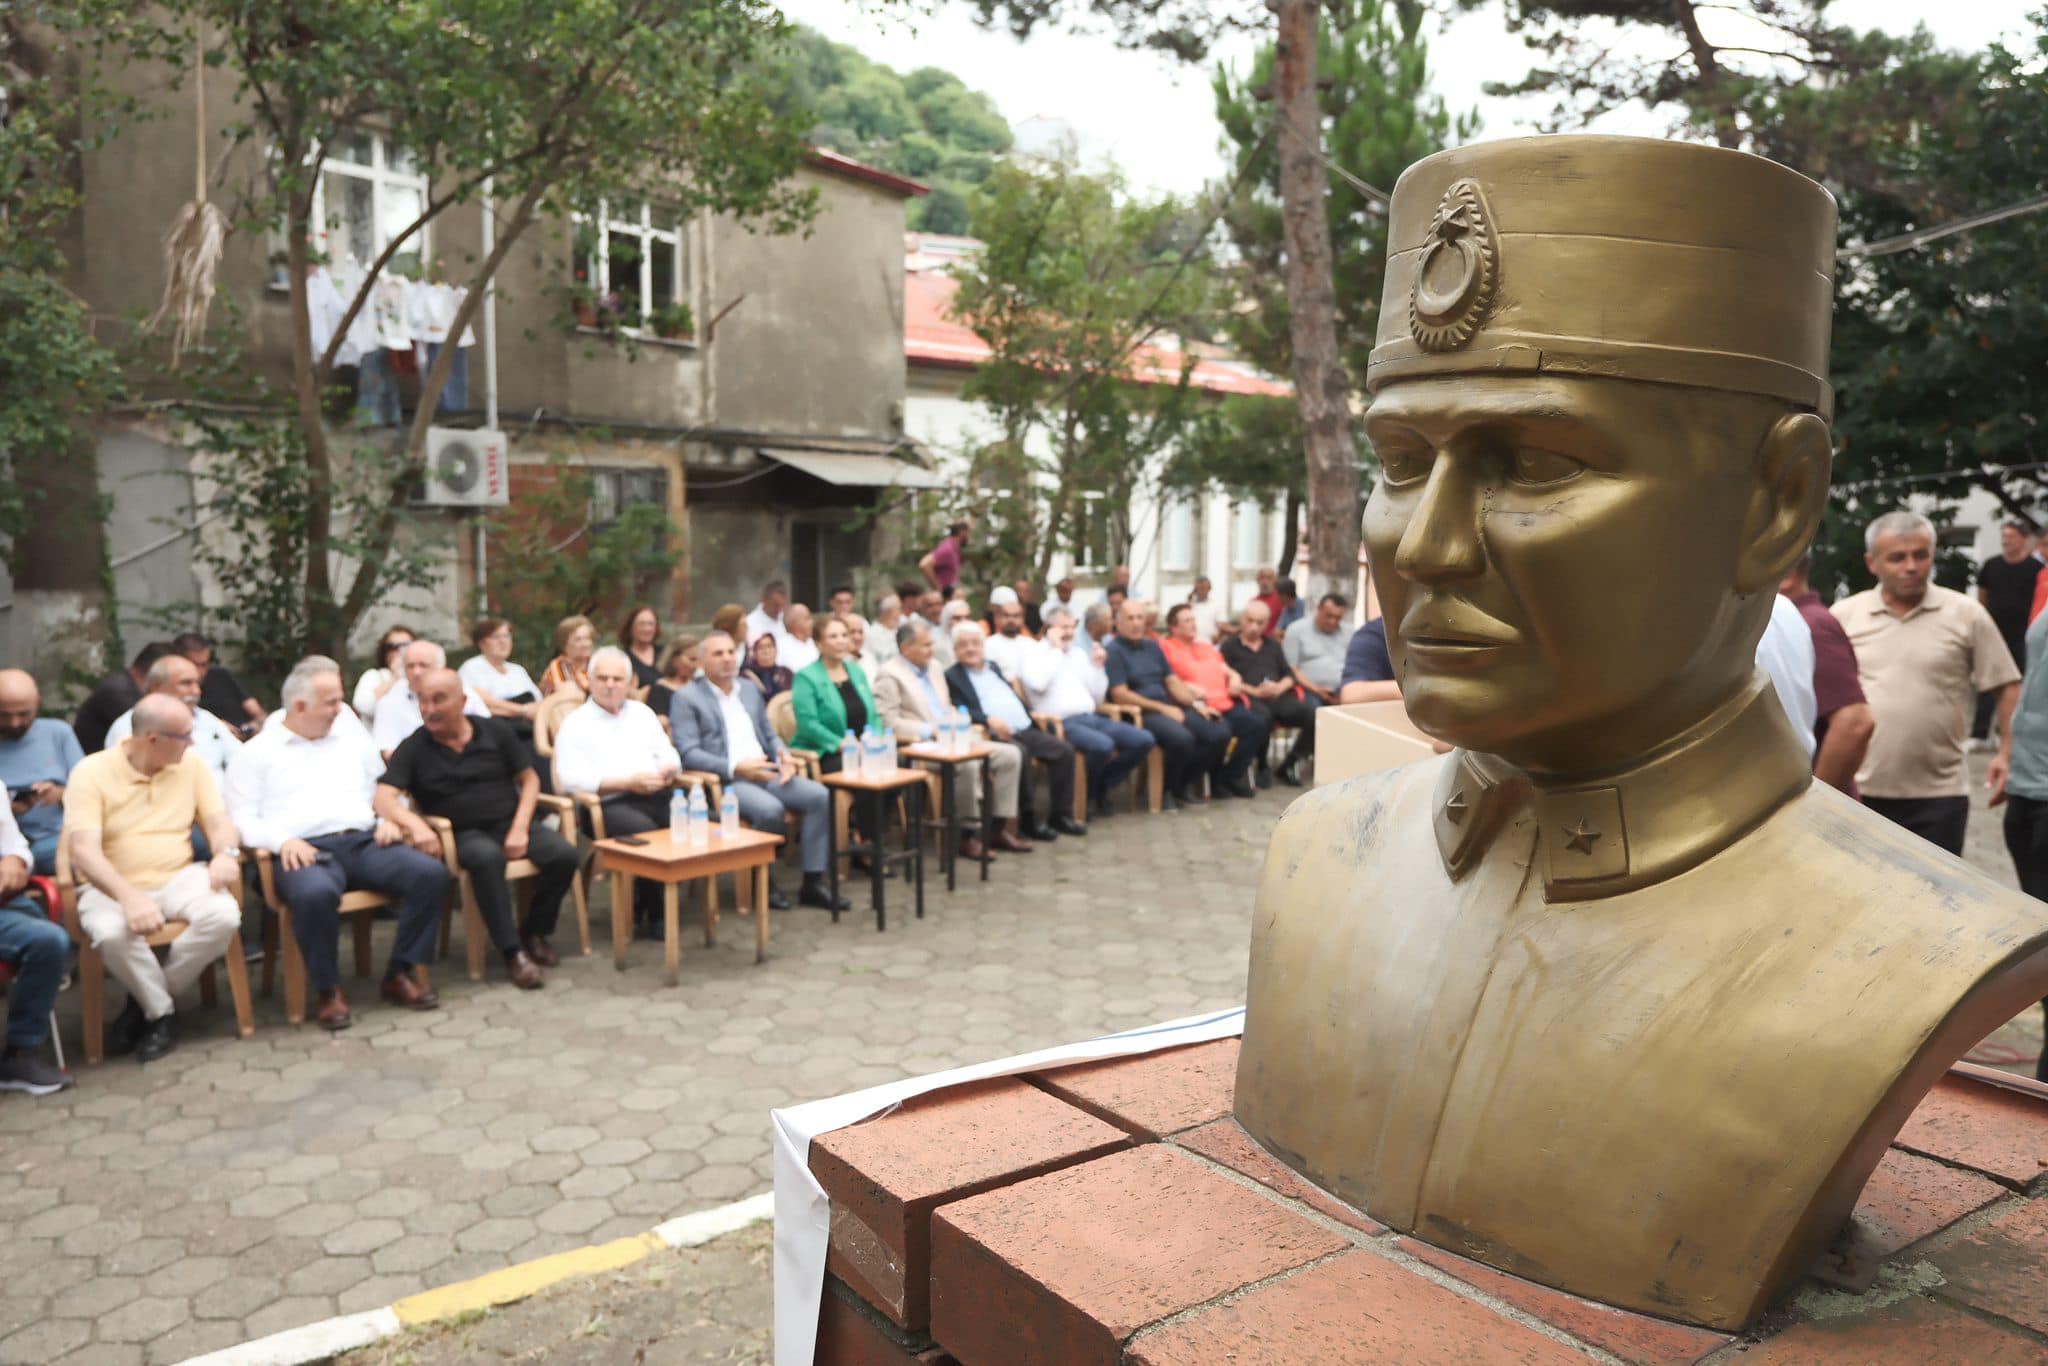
(1058, 728)
(1153, 774)
(92, 969)
(362, 906)
(474, 938)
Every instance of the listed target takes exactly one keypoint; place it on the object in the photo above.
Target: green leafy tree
(551, 557)
(55, 377)
(1076, 279)
(1380, 118)
(927, 124)
(558, 106)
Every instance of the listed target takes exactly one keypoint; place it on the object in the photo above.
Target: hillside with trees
(925, 124)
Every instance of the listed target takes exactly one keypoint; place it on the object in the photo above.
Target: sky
(1154, 117)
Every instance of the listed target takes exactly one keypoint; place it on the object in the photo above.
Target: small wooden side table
(876, 790)
(661, 857)
(949, 762)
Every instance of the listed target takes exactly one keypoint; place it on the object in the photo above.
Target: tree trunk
(1290, 537)
(1319, 381)
(1713, 84)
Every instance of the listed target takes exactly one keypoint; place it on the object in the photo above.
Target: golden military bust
(1612, 996)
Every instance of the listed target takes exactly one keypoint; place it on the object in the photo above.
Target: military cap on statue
(1631, 258)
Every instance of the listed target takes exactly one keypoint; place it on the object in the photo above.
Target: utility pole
(1319, 381)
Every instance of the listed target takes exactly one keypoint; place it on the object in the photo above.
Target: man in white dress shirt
(1009, 646)
(615, 749)
(910, 692)
(398, 715)
(796, 649)
(766, 619)
(213, 740)
(303, 790)
(1064, 678)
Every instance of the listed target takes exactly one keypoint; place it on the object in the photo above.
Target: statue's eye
(1534, 465)
(1404, 464)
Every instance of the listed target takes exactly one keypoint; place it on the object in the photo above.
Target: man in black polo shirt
(1270, 688)
(474, 771)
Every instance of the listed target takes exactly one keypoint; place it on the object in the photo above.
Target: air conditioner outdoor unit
(466, 468)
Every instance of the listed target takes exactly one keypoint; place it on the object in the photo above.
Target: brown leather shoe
(333, 1011)
(524, 972)
(1009, 843)
(402, 990)
(540, 951)
(970, 848)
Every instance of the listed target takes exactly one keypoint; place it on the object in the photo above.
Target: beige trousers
(1008, 762)
(213, 919)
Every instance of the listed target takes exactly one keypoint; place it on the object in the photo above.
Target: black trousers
(2026, 839)
(1059, 778)
(1178, 744)
(1941, 821)
(481, 852)
(636, 813)
(313, 896)
(1289, 710)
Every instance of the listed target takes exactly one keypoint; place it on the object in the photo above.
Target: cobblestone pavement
(239, 1187)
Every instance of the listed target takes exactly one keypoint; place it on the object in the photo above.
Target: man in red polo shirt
(1220, 702)
(1843, 722)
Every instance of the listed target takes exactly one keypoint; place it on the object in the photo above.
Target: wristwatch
(230, 852)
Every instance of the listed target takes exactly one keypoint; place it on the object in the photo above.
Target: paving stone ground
(241, 1187)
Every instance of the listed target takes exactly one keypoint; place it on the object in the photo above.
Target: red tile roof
(933, 336)
(827, 160)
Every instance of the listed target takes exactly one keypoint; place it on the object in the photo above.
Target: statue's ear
(1785, 505)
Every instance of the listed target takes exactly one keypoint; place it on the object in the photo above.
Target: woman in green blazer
(831, 696)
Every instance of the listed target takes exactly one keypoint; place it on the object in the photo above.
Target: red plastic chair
(46, 889)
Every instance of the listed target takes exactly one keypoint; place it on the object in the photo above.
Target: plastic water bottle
(942, 731)
(885, 744)
(678, 817)
(700, 819)
(963, 731)
(728, 815)
(849, 755)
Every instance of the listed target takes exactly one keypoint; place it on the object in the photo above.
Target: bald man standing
(128, 815)
(37, 754)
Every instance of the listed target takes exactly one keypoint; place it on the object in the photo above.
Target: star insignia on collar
(1580, 836)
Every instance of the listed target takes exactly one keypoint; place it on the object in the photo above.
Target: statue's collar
(1615, 832)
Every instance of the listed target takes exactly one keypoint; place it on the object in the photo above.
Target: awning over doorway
(857, 470)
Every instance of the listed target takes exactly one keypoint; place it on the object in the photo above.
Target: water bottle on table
(678, 818)
(849, 755)
(728, 815)
(700, 819)
(963, 731)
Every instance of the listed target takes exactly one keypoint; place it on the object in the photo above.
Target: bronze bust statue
(1612, 996)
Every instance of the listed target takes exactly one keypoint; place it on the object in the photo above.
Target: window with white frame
(1177, 535)
(370, 190)
(633, 254)
(1248, 535)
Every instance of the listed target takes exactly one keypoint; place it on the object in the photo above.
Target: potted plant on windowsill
(673, 322)
(584, 302)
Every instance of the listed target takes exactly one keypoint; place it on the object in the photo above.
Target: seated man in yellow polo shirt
(128, 817)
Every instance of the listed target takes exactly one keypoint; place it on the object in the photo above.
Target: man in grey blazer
(721, 726)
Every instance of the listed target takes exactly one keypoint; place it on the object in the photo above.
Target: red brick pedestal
(1113, 1214)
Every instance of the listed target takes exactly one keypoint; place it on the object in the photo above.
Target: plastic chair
(44, 890)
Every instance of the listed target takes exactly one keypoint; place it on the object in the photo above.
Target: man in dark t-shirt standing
(2005, 585)
(475, 773)
(1843, 723)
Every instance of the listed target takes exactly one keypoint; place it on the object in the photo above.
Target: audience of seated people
(979, 684)
(614, 749)
(303, 791)
(37, 755)
(720, 724)
(910, 692)
(128, 817)
(475, 773)
(312, 790)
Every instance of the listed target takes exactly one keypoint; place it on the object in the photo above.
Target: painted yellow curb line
(519, 1282)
